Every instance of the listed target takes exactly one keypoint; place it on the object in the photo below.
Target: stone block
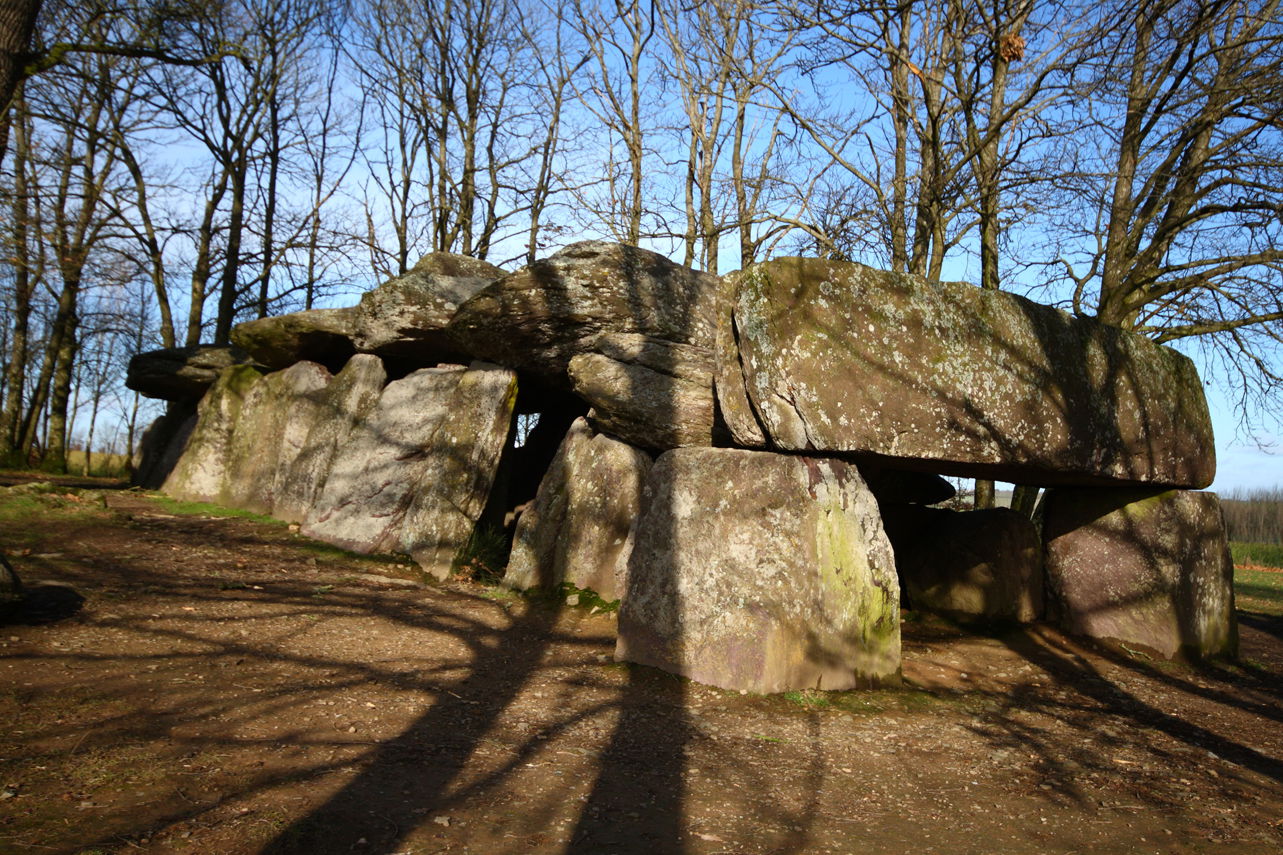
(762, 572)
(839, 358)
(1142, 567)
(576, 530)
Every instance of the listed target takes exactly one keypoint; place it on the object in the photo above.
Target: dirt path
(227, 687)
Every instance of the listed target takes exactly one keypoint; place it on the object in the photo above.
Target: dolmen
(752, 464)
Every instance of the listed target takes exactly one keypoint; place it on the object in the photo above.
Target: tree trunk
(24, 286)
(17, 25)
(231, 264)
(60, 394)
(1024, 500)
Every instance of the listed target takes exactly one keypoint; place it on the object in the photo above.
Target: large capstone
(576, 530)
(538, 318)
(201, 472)
(967, 564)
(1144, 568)
(648, 392)
(840, 358)
(415, 475)
(405, 318)
(181, 373)
(762, 572)
(317, 335)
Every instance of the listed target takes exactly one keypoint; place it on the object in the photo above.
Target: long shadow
(406, 778)
(1268, 624)
(637, 801)
(1091, 682)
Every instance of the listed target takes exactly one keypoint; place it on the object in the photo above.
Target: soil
(221, 685)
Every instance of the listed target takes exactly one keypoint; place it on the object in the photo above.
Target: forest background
(172, 167)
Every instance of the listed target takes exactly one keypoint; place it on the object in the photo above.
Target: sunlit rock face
(576, 531)
(201, 473)
(406, 317)
(414, 476)
(274, 420)
(648, 392)
(538, 318)
(403, 319)
(320, 430)
(317, 335)
(1142, 567)
(832, 357)
(763, 572)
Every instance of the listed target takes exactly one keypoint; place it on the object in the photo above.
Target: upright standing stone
(1142, 567)
(201, 473)
(414, 457)
(762, 572)
(840, 358)
(460, 469)
(577, 529)
(267, 437)
(347, 401)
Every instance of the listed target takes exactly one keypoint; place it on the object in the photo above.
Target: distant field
(1258, 590)
(108, 465)
(1259, 554)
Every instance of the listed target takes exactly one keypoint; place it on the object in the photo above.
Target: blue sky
(1240, 461)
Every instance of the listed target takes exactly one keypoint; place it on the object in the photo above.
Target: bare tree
(1182, 191)
(459, 114)
(620, 35)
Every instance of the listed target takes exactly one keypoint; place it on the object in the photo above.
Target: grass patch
(1260, 554)
(1258, 591)
(33, 503)
(586, 598)
(102, 465)
(809, 699)
(205, 509)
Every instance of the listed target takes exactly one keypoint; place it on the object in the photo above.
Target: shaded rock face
(648, 392)
(161, 446)
(1143, 568)
(538, 318)
(414, 476)
(762, 572)
(840, 358)
(577, 529)
(181, 373)
(405, 318)
(903, 486)
(318, 335)
(973, 564)
(201, 473)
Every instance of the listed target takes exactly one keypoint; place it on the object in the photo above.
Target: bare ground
(227, 687)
